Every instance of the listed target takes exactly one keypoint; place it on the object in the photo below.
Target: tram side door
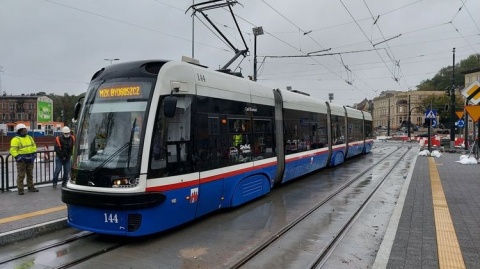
(210, 147)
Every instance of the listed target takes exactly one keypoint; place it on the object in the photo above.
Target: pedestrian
(63, 149)
(23, 149)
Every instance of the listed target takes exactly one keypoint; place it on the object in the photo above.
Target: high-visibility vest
(22, 145)
(237, 139)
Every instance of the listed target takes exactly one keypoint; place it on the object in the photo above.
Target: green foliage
(67, 104)
(443, 79)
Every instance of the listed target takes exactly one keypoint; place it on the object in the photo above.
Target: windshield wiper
(116, 153)
(91, 174)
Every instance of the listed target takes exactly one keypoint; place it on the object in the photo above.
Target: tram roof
(354, 113)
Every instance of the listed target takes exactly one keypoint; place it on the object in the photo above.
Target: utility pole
(430, 130)
(452, 106)
(388, 122)
(256, 32)
(1, 71)
(409, 116)
(193, 33)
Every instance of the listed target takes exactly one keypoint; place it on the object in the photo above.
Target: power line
(451, 23)
(470, 15)
(306, 33)
(130, 24)
(361, 29)
(396, 63)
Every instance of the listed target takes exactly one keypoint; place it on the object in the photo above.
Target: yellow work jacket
(22, 146)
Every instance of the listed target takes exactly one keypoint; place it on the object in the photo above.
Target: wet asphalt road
(217, 240)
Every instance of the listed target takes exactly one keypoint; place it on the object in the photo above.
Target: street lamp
(111, 60)
(452, 106)
(256, 32)
(388, 122)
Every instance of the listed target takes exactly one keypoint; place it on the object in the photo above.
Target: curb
(33, 231)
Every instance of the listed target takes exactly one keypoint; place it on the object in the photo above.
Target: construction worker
(63, 149)
(24, 149)
(237, 140)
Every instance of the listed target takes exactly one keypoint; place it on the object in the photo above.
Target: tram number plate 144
(110, 217)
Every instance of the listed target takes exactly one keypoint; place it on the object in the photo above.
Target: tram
(161, 143)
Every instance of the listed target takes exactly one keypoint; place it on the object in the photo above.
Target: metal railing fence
(43, 169)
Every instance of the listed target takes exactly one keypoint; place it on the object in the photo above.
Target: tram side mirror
(169, 106)
(77, 110)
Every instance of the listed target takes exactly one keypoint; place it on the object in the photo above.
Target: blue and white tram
(160, 143)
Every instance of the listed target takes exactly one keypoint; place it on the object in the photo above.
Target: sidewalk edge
(383, 254)
(33, 231)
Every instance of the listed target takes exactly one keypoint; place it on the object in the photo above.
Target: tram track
(317, 262)
(88, 241)
(89, 249)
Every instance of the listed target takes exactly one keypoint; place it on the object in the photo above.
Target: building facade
(36, 112)
(392, 108)
(472, 76)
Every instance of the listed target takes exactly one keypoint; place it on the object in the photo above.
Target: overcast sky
(55, 46)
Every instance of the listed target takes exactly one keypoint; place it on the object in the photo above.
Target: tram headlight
(124, 182)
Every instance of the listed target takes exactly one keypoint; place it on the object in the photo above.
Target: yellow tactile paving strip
(33, 214)
(449, 253)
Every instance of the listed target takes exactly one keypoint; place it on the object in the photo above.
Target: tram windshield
(110, 134)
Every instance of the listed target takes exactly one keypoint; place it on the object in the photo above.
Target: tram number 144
(110, 218)
(201, 77)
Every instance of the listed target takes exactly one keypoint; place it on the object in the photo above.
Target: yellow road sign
(467, 92)
(474, 112)
(459, 114)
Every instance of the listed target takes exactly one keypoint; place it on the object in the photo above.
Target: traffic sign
(431, 114)
(472, 91)
(459, 114)
(434, 123)
(474, 112)
(460, 123)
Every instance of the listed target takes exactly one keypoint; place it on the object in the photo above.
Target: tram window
(172, 150)
(297, 131)
(262, 126)
(355, 130)
(239, 125)
(240, 140)
(262, 138)
(213, 128)
(338, 129)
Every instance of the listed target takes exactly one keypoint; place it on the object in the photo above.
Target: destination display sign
(119, 92)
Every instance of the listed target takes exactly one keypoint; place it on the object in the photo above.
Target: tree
(443, 79)
(66, 103)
